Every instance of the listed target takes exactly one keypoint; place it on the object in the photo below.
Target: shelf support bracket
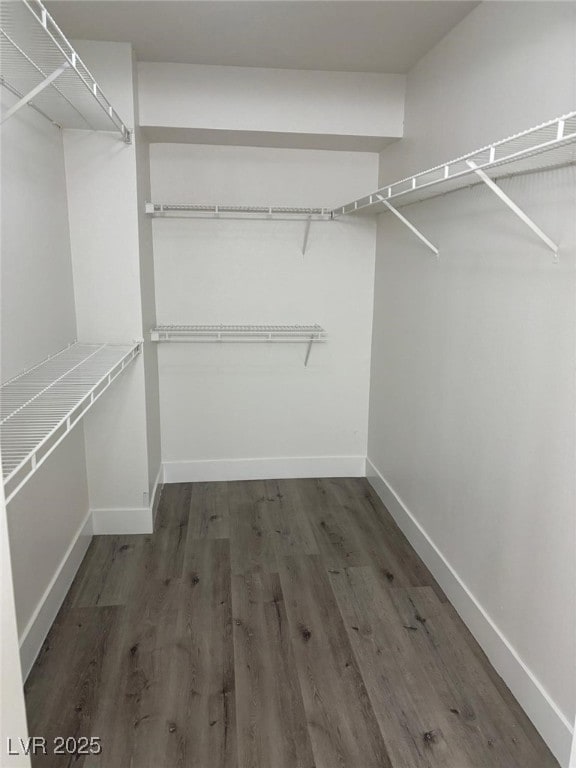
(514, 208)
(34, 92)
(409, 224)
(306, 233)
(308, 350)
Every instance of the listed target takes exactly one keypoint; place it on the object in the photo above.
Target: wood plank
(419, 730)
(420, 574)
(180, 677)
(332, 528)
(342, 725)
(288, 524)
(251, 546)
(165, 556)
(493, 732)
(203, 698)
(114, 569)
(209, 511)
(270, 714)
(381, 539)
(63, 687)
(541, 750)
(131, 717)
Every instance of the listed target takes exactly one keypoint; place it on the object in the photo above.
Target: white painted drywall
(506, 67)
(12, 707)
(270, 101)
(473, 359)
(38, 316)
(104, 231)
(45, 517)
(148, 295)
(148, 298)
(38, 319)
(244, 401)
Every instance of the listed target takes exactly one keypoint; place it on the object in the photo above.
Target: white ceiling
(338, 35)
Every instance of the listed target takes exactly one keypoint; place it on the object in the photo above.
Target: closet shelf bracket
(306, 234)
(271, 334)
(308, 350)
(25, 100)
(409, 224)
(514, 208)
(241, 212)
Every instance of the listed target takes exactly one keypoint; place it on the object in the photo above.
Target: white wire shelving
(41, 406)
(193, 211)
(249, 212)
(41, 68)
(549, 145)
(271, 334)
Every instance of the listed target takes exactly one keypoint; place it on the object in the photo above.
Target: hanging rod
(271, 334)
(41, 67)
(551, 144)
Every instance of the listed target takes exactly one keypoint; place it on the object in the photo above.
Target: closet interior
(287, 444)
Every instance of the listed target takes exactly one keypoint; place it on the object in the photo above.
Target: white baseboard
(263, 469)
(43, 617)
(157, 492)
(122, 521)
(534, 699)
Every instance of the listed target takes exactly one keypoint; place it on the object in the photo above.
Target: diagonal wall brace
(308, 352)
(309, 349)
(34, 92)
(514, 208)
(306, 233)
(410, 226)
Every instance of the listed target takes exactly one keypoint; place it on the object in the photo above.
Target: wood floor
(270, 624)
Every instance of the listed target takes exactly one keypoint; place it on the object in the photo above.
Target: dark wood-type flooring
(271, 624)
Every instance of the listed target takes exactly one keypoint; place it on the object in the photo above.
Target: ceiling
(335, 35)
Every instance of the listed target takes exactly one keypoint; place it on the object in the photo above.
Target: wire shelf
(211, 333)
(40, 407)
(549, 145)
(194, 211)
(268, 334)
(32, 50)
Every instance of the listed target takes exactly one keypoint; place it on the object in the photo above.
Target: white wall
(148, 298)
(104, 230)
(47, 517)
(148, 295)
(49, 527)
(308, 104)
(489, 78)
(38, 316)
(473, 358)
(224, 403)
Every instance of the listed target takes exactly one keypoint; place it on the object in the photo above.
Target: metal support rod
(410, 226)
(308, 350)
(34, 92)
(306, 233)
(514, 208)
